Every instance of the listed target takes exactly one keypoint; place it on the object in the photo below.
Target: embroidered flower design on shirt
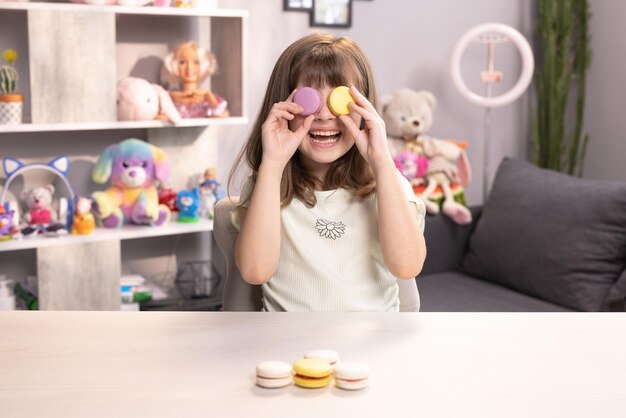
(330, 229)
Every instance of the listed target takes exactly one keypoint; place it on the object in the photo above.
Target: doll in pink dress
(188, 65)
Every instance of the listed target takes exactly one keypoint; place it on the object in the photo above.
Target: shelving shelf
(103, 234)
(137, 10)
(82, 272)
(142, 124)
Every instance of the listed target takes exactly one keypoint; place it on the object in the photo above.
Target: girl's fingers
(362, 100)
(349, 123)
(278, 113)
(289, 106)
(364, 113)
(290, 98)
(305, 127)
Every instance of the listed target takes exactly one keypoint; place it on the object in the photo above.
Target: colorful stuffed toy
(411, 165)
(133, 167)
(137, 99)
(439, 180)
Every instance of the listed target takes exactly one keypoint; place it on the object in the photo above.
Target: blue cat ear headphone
(59, 166)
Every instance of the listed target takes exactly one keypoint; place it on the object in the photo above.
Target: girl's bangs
(331, 70)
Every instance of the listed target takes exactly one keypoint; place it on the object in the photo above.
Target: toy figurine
(6, 224)
(84, 222)
(167, 197)
(211, 192)
(188, 204)
(187, 66)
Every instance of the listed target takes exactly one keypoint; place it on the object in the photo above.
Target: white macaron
(274, 374)
(331, 356)
(352, 375)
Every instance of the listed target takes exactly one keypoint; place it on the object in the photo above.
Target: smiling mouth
(324, 137)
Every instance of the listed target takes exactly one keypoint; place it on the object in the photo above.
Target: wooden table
(173, 364)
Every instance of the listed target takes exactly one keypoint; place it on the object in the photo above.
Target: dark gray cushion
(549, 235)
(456, 292)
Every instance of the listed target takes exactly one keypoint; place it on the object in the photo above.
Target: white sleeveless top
(330, 256)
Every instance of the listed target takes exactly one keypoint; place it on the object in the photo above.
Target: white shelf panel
(145, 10)
(142, 124)
(103, 234)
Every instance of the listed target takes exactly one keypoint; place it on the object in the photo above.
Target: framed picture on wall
(332, 13)
(298, 5)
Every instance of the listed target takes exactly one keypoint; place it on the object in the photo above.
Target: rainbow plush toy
(133, 167)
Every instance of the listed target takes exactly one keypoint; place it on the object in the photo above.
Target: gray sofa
(543, 242)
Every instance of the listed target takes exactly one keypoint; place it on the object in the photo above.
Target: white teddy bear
(408, 115)
(39, 204)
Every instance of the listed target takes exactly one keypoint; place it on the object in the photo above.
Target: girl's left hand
(372, 140)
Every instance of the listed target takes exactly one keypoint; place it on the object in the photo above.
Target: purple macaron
(309, 99)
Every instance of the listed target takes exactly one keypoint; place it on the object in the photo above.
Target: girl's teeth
(324, 136)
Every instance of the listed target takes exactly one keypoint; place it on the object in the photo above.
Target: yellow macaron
(338, 100)
(312, 373)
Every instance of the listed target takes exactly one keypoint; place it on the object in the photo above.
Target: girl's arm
(258, 245)
(401, 238)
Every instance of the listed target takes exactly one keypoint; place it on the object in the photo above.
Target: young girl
(327, 223)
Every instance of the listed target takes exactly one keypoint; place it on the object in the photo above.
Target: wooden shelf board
(103, 234)
(142, 124)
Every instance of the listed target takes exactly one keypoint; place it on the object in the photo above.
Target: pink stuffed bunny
(137, 99)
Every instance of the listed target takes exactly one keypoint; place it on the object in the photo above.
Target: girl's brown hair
(315, 60)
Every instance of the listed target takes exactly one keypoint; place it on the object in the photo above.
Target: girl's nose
(325, 113)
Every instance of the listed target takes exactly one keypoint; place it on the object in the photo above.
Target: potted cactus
(10, 102)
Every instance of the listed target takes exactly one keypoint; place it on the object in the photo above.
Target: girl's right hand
(279, 142)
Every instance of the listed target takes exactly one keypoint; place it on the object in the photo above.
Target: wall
(409, 44)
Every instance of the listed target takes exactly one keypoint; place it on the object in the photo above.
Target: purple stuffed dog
(133, 167)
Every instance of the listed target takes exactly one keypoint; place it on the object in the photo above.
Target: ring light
(477, 34)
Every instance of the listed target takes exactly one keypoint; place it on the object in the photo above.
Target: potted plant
(10, 102)
(560, 79)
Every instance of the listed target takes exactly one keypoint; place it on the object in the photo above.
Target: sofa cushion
(456, 292)
(552, 236)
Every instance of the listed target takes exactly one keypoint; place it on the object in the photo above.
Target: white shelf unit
(82, 272)
(224, 29)
(104, 234)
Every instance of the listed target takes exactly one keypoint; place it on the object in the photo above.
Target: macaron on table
(316, 370)
(352, 375)
(312, 373)
(331, 356)
(273, 374)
